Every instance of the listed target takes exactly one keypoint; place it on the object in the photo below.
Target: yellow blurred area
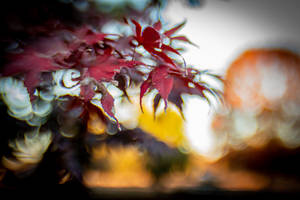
(95, 124)
(125, 167)
(167, 126)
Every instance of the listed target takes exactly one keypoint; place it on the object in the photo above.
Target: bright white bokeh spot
(273, 83)
(245, 125)
(198, 125)
(288, 133)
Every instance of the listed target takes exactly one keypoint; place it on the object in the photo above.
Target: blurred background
(249, 142)
(254, 45)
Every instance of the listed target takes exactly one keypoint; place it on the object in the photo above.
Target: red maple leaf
(107, 69)
(170, 32)
(185, 83)
(107, 102)
(30, 64)
(159, 79)
(162, 81)
(87, 92)
(171, 84)
(88, 36)
(152, 40)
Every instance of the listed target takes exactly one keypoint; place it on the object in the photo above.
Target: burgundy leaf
(87, 92)
(185, 84)
(157, 25)
(106, 70)
(31, 81)
(185, 87)
(151, 38)
(144, 87)
(200, 88)
(174, 29)
(31, 64)
(102, 72)
(138, 30)
(162, 82)
(50, 46)
(28, 61)
(182, 38)
(124, 44)
(94, 38)
(169, 48)
(162, 56)
(86, 35)
(129, 63)
(107, 102)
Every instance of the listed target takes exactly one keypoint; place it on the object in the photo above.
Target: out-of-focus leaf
(157, 25)
(138, 30)
(89, 37)
(182, 38)
(31, 64)
(87, 92)
(174, 29)
(169, 48)
(106, 70)
(161, 56)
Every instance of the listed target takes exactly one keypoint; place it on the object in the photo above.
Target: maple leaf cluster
(86, 60)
